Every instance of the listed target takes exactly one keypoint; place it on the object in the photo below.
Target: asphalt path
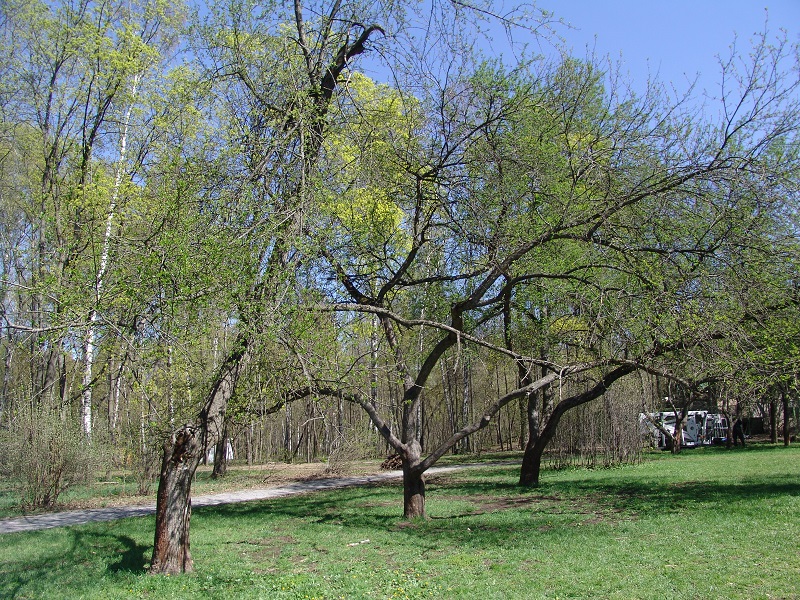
(90, 515)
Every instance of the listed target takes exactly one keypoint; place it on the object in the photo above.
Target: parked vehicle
(702, 428)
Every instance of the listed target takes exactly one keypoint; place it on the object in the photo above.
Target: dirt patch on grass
(598, 509)
(492, 503)
(592, 510)
(486, 503)
(400, 525)
(384, 504)
(282, 540)
(268, 548)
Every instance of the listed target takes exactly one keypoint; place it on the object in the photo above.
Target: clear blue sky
(674, 38)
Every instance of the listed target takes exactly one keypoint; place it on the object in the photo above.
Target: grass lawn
(710, 523)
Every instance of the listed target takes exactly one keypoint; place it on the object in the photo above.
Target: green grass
(707, 524)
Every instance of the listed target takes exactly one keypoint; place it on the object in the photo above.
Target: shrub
(45, 454)
(146, 468)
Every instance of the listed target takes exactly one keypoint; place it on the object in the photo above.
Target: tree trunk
(288, 439)
(676, 445)
(785, 400)
(523, 422)
(532, 458)
(534, 415)
(773, 421)
(221, 454)
(182, 454)
(413, 494)
(537, 443)
(413, 483)
(448, 400)
(466, 444)
(249, 441)
(531, 463)
(729, 431)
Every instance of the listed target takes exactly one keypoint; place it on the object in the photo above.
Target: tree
(75, 72)
(146, 32)
(282, 124)
(554, 180)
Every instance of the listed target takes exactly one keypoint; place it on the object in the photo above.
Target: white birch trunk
(90, 346)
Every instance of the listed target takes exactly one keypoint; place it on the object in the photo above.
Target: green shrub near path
(709, 523)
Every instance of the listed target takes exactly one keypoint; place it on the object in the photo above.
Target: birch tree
(148, 34)
(75, 71)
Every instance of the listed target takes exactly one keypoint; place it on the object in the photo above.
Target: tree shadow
(638, 496)
(372, 505)
(340, 507)
(88, 550)
(542, 511)
(132, 556)
(548, 509)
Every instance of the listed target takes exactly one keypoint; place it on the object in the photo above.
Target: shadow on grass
(133, 557)
(339, 507)
(374, 505)
(640, 497)
(87, 557)
(475, 512)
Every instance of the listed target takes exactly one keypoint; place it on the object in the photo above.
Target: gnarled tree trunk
(785, 404)
(413, 483)
(534, 450)
(182, 454)
(221, 453)
(532, 457)
(677, 438)
(531, 465)
(413, 494)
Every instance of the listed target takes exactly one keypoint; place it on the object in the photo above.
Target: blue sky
(676, 39)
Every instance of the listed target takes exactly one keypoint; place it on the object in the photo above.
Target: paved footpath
(89, 515)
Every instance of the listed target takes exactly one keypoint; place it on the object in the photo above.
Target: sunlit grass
(706, 524)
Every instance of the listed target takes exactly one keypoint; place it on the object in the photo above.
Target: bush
(146, 468)
(45, 454)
